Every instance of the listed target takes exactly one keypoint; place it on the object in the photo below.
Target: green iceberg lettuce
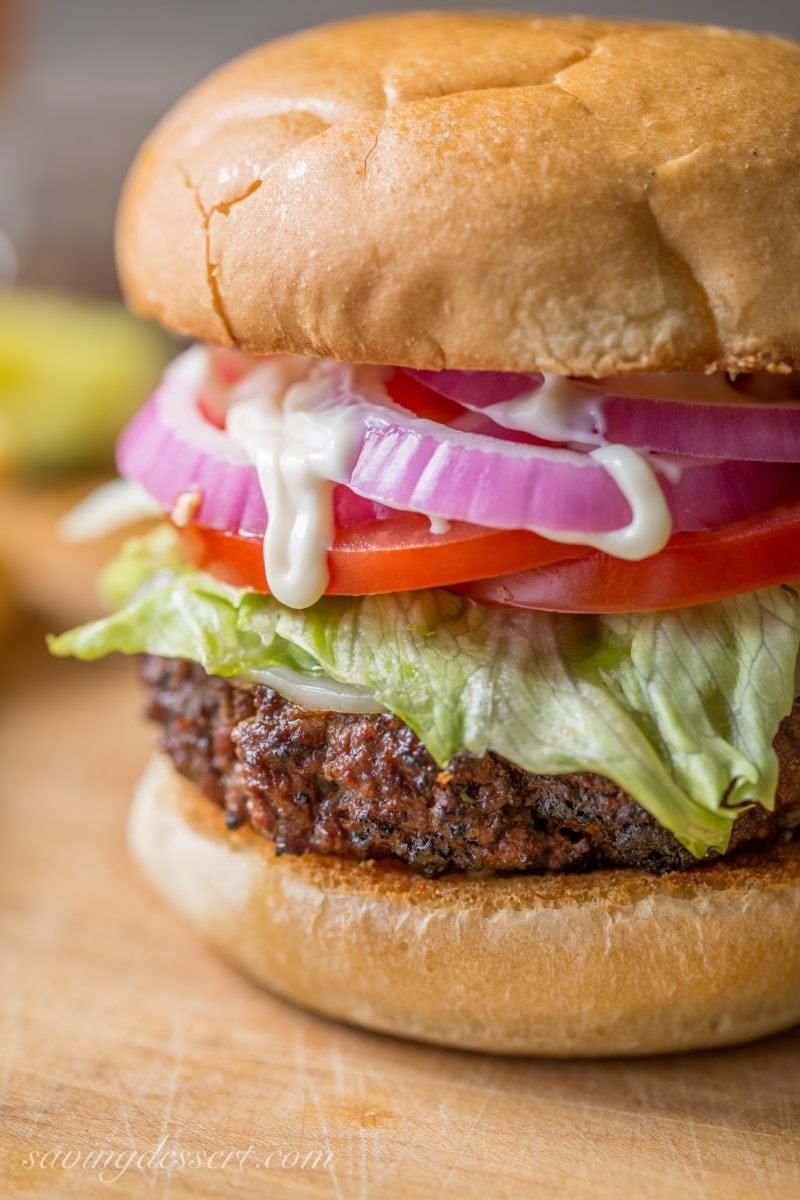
(678, 708)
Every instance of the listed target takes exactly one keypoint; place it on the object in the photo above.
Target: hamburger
(471, 632)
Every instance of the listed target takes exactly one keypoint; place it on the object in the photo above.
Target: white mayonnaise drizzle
(650, 525)
(560, 411)
(563, 410)
(569, 410)
(321, 693)
(299, 441)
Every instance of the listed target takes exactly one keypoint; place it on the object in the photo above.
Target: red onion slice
(174, 450)
(477, 389)
(408, 463)
(749, 432)
(727, 425)
(433, 469)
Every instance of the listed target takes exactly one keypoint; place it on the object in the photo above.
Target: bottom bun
(614, 962)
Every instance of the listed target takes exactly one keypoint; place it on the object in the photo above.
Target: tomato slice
(396, 554)
(694, 568)
(517, 569)
(421, 400)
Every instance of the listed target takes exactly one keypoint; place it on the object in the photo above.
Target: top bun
(482, 191)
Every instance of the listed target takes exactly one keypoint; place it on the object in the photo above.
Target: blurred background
(90, 77)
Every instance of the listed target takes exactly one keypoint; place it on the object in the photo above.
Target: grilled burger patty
(365, 786)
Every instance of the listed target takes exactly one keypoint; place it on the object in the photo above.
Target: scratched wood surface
(133, 1062)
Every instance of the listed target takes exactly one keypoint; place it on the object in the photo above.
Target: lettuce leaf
(678, 708)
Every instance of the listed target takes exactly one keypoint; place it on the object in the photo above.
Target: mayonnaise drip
(650, 525)
(560, 411)
(570, 410)
(299, 442)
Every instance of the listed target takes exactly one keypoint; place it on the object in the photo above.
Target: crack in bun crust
(482, 191)
(613, 962)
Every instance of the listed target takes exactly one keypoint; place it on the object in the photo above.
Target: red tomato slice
(694, 568)
(420, 400)
(396, 554)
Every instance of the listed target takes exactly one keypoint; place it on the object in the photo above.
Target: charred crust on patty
(366, 787)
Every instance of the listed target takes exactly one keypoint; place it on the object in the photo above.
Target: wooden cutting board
(126, 1045)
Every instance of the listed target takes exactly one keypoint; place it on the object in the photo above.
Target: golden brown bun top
(482, 191)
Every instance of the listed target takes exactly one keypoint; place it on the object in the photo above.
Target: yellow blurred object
(72, 372)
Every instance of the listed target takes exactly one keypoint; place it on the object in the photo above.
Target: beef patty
(365, 786)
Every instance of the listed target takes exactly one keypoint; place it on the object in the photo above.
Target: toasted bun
(482, 191)
(610, 963)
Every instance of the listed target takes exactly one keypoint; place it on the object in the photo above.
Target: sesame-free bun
(614, 962)
(482, 191)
